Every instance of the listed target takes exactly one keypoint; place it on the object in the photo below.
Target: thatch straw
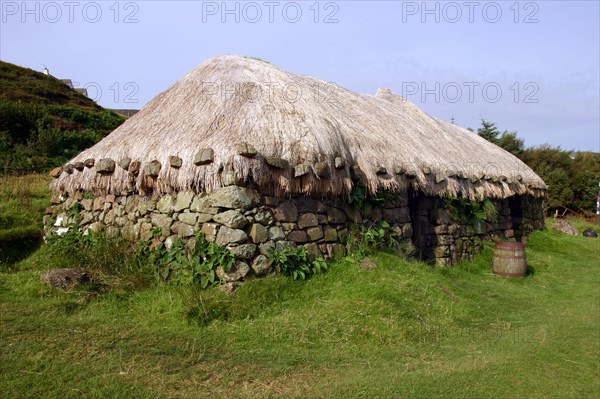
(230, 103)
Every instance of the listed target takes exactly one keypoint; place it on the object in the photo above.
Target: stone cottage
(256, 158)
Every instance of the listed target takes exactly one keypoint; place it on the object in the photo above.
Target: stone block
(259, 233)
(261, 265)
(152, 169)
(244, 251)
(407, 230)
(183, 201)
(204, 156)
(322, 169)
(246, 150)
(146, 231)
(353, 214)
(105, 166)
(175, 162)
(233, 197)
(166, 204)
(289, 226)
(278, 163)
(314, 233)
(307, 220)
(301, 170)
(309, 205)
(87, 204)
(330, 234)
(204, 217)
(162, 221)
(276, 233)
(188, 218)
(185, 230)
(228, 236)
(298, 236)
(264, 217)
(210, 231)
(131, 232)
(335, 216)
(124, 163)
(286, 212)
(231, 218)
(271, 201)
(440, 216)
(314, 252)
(280, 245)
(266, 248)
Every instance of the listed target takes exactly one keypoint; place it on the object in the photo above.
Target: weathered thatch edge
(257, 172)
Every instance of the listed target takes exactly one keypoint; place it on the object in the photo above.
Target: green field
(400, 330)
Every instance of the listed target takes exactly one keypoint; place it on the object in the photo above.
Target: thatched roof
(309, 137)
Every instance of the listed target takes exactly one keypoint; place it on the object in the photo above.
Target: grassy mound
(400, 330)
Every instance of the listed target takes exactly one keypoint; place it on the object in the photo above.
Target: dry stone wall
(250, 224)
(241, 219)
(443, 241)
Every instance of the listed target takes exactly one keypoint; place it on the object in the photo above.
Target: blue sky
(530, 66)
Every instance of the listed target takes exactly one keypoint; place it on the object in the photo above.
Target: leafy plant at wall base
(365, 240)
(196, 266)
(295, 262)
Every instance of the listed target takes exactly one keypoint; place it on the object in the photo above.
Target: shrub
(195, 264)
(296, 263)
(363, 241)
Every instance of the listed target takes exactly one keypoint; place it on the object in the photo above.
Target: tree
(584, 180)
(488, 131)
(511, 143)
(554, 165)
(572, 177)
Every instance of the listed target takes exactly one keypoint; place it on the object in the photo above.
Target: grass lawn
(400, 330)
(22, 203)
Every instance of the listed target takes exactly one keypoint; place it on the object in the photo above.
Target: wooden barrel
(509, 260)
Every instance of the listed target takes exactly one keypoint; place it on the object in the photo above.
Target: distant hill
(26, 85)
(44, 122)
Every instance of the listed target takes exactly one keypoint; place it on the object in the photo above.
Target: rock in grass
(367, 264)
(565, 227)
(237, 272)
(64, 278)
(230, 288)
(590, 233)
